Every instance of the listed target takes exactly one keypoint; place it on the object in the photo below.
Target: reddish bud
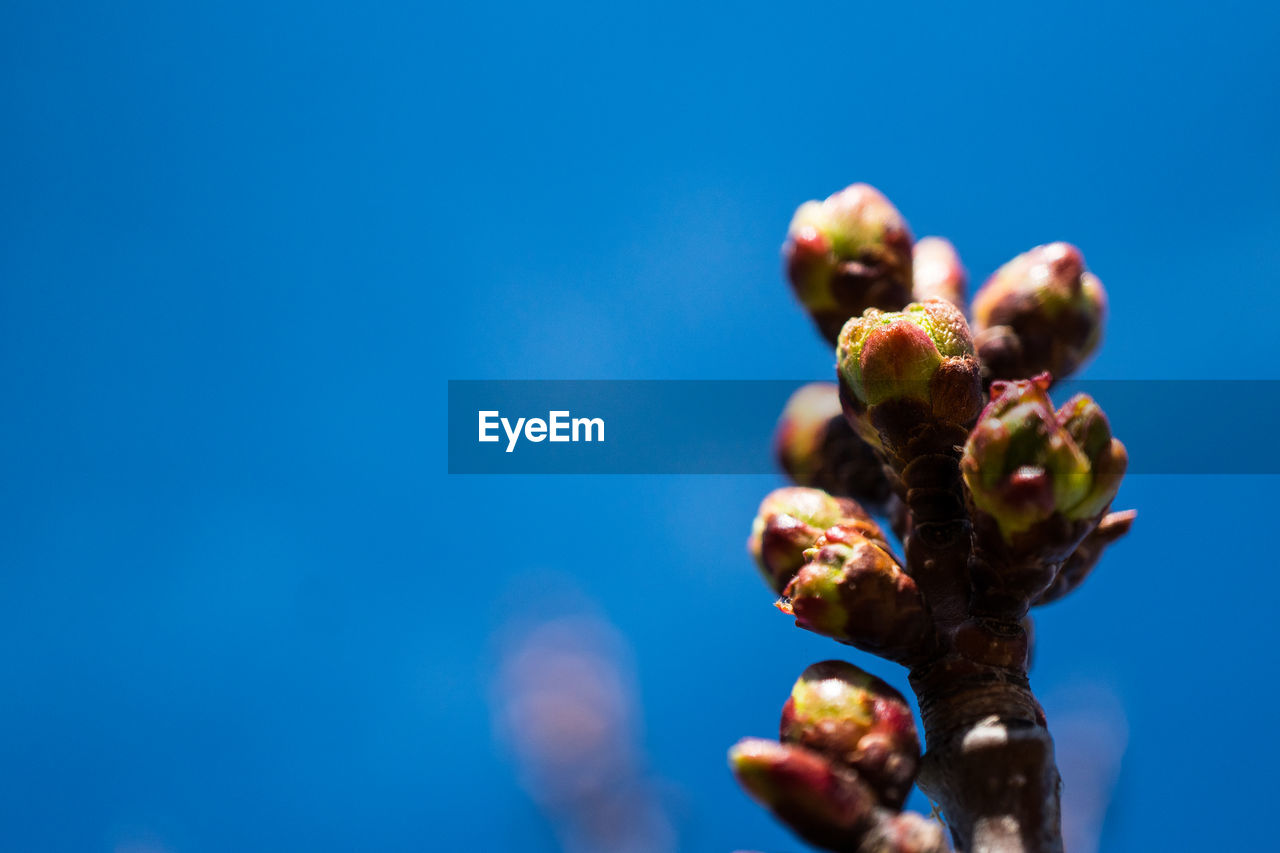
(817, 448)
(846, 254)
(858, 720)
(853, 591)
(790, 521)
(1040, 312)
(906, 368)
(1024, 461)
(1038, 481)
(823, 803)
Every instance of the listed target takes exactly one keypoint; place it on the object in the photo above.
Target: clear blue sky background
(242, 606)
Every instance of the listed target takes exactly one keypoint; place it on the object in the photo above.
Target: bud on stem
(846, 254)
(900, 369)
(817, 448)
(855, 719)
(852, 590)
(790, 521)
(1040, 312)
(1039, 481)
(825, 804)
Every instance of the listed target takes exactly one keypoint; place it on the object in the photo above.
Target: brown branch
(989, 763)
(999, 508)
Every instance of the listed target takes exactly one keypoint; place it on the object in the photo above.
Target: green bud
(790, 521)
(858, 720)
(1040, 312)
(846, 254)
(937, 272)
(823, 803)
(922, 356)
(817, 448)
(852, 590)
(1025, 463)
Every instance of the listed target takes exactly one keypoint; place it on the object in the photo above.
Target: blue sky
(244, 607)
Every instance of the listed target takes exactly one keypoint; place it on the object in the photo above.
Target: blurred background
(242, 605)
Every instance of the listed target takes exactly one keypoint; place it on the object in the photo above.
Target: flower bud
(1024, 462)
(791, 520)
(852, 590)
(817, 448)
(916, 365)
(855, 719)
(846, 254)
(823, 803)
(937, 272)
(1039, 482)
(1039, 312)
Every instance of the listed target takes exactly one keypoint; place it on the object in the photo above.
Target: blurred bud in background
(937, 272)
(142, 844)
(817, 448)
(565, 704)
(824, 803)
(1091, 731)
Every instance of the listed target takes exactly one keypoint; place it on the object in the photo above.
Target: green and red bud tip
(856, 719)
(823, 803)
(1041, 311)
(922, 353)
(791, 520)
(1024, 461)
(852, 590)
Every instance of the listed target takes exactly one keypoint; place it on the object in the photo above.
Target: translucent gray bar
(725, 427)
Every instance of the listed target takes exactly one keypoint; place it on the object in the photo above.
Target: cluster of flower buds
(898, 369)
(999, 509)
(846, 254)
(816, 447)
(1040, 481)
(1041, 312)
(847, 756)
